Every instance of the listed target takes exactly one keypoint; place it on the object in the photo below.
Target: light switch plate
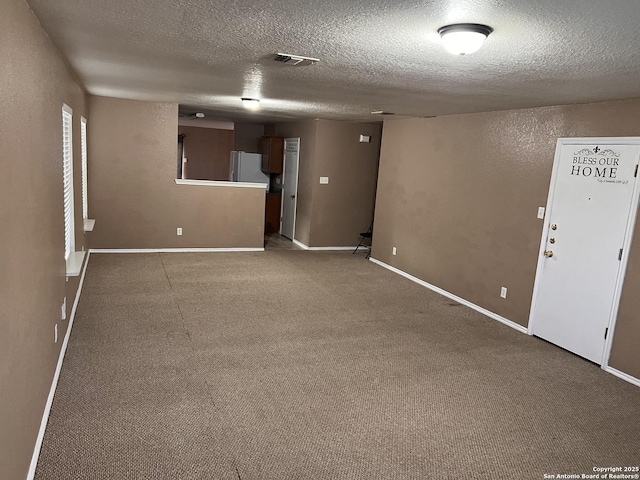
(365, 138)
(324, 180)
(540, 212)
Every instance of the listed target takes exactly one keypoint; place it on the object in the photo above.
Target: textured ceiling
(374, 54)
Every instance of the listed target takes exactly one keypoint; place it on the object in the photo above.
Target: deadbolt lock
(552, 240)
(548, 253)
(554, 227)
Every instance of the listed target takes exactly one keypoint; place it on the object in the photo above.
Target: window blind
(67, 166)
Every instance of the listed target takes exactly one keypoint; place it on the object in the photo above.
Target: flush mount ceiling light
(250, 103)
(463, 38)
(191, 115)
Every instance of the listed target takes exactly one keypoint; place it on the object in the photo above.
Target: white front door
(290, 187)
(588, 219)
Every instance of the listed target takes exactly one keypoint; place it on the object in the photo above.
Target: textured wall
(344, 207)
(332, 215)
(625, 354)
(35, 83)
(133, 196)
(458, 197)
(247, 137)
(208, 153)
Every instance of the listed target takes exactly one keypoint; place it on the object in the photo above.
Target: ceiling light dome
(250, 103)
(464, 38)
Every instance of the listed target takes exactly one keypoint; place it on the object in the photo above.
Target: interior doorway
(591, 211)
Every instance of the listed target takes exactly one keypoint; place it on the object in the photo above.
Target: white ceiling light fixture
(250, 103)
(191, 115)
(464, 38)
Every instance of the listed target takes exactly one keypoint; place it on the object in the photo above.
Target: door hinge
(620, 255)
(606, 330)
(636, 174)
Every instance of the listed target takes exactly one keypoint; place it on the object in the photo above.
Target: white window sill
(89, 223)
(211, 183)
(74, 264)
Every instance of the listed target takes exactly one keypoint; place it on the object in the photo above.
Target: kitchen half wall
(132, 191)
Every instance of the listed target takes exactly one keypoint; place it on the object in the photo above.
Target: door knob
(548, 253)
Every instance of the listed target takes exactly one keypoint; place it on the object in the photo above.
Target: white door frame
(631, 221)
(284, 173)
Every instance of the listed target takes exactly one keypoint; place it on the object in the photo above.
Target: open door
(290, 187)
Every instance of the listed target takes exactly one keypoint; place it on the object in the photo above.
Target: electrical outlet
(63, 309)
(503, 292)
(393, 250)
(179, 231)
(324, 180)
(55, 333)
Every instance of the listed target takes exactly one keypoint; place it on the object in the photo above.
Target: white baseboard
(300, 244)
(320, 249)
(623, 376)
(173, 250)
(56, 376)
(467, 303)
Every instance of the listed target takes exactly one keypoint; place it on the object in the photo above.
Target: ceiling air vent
(294, 60)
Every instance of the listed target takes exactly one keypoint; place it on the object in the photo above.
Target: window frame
(83, 151)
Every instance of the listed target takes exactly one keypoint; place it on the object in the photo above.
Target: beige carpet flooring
(315, 365)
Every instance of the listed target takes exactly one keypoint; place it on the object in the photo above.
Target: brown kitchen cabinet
(272, 154)
(272, 213)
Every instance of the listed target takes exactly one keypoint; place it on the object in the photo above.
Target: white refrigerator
(246, 167)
